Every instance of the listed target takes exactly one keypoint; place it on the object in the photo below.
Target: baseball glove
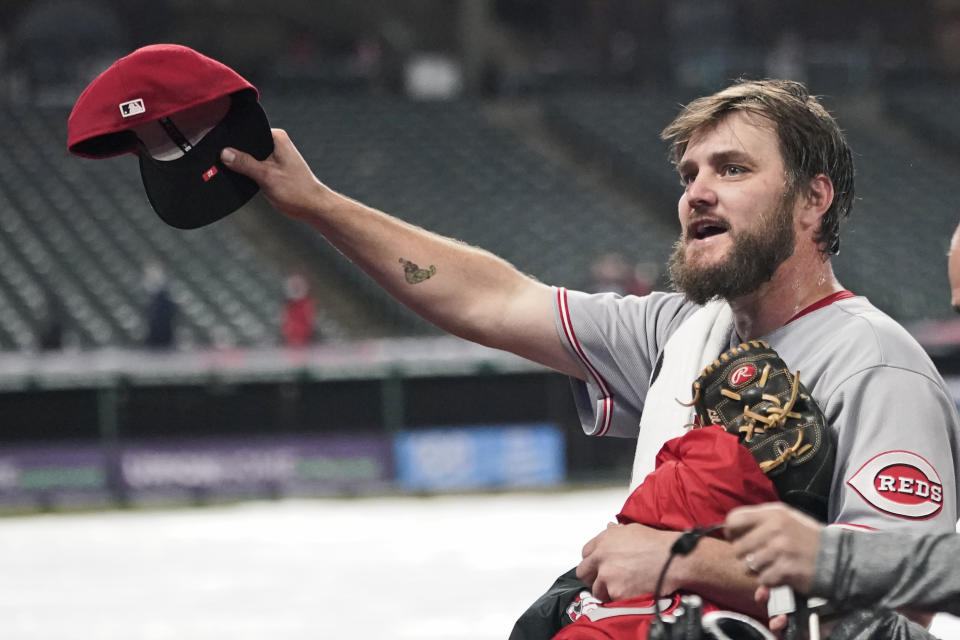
(751, 393)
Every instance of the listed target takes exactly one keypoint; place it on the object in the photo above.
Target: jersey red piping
(823, 302)
(852, 526)
(607, 399)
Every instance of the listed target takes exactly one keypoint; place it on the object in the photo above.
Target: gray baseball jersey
(897, 426)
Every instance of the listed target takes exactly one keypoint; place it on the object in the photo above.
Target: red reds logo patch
(209, 173)
(742, 375)
(900, 483)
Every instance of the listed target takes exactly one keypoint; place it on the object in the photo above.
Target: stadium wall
(414, 415)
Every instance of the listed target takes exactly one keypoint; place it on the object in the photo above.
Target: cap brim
(197, 189)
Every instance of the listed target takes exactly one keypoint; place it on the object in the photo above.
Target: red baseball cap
(176, 109)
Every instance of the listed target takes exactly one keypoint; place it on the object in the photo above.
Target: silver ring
(751, 563)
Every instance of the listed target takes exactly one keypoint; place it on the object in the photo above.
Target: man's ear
(814, 201)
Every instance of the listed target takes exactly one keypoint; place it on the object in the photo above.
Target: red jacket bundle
(698, 478)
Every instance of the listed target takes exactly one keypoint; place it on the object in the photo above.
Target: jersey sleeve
(896, 466)
(872, 568)
(866, 624)
(617, 340)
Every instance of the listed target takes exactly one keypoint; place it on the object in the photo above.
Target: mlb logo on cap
(132, 108)
(176, 109)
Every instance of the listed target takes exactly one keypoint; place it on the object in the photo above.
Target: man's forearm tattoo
(414, 274)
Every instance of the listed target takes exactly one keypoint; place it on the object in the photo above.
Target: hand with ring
(777, 544)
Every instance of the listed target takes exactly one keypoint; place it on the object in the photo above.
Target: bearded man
(767, 177)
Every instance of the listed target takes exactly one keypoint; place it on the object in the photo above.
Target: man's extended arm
(464, 290)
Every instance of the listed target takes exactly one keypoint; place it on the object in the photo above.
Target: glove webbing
(777, 416)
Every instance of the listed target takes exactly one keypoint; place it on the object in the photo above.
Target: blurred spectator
(50, 323)
(367, 59)
(611, 272)
(59, 45)
(947, 35)
(299, 311)
(161, 310)
(787, 59)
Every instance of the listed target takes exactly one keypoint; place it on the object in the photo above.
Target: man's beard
(754, 257)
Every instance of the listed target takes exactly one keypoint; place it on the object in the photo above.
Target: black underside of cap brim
(197, 189)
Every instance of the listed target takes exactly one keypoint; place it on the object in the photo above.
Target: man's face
(953, 270)
(736, 213)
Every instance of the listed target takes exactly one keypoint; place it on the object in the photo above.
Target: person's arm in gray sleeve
(888, 569)
(878, 624)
